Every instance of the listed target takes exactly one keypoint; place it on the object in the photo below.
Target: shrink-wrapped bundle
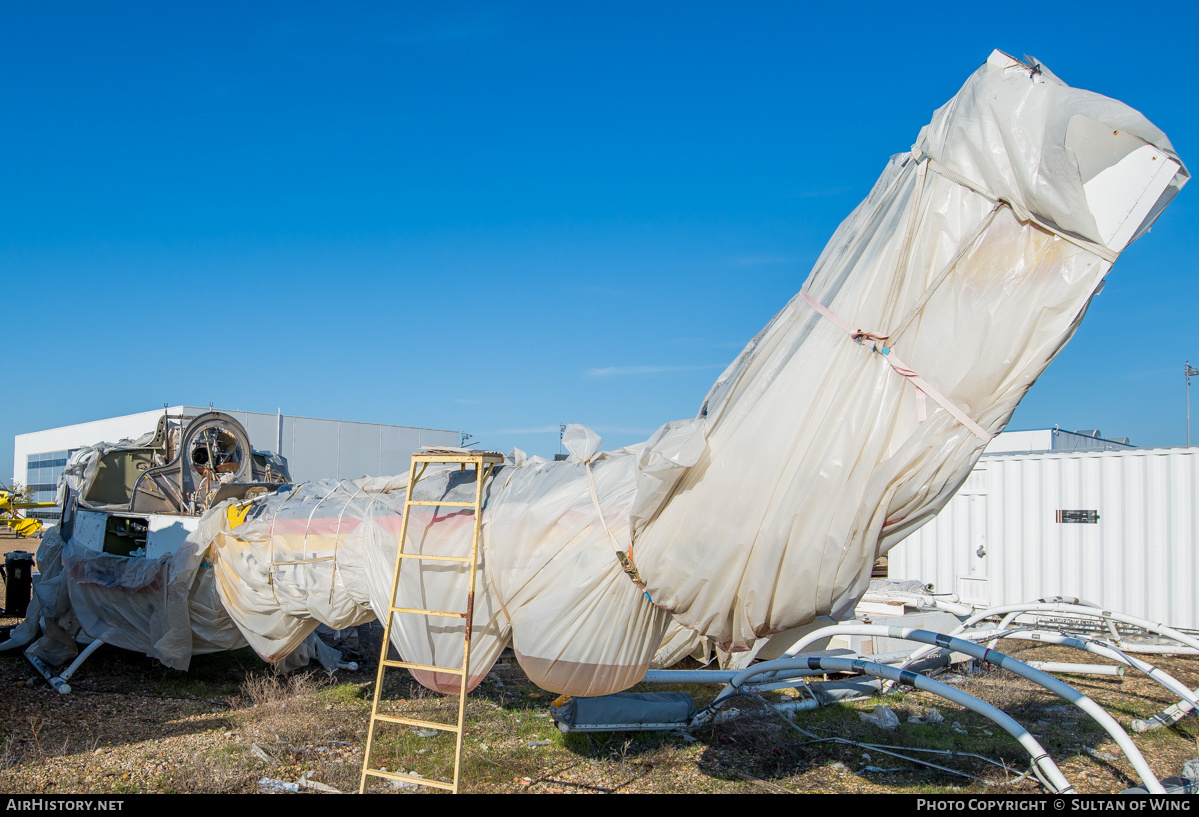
(323, 553)
(845, 424)
(859, 410)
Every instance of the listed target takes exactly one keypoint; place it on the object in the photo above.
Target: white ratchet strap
(625, 559)
(922, 386)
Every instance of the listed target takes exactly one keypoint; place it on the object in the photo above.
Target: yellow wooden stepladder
(483, 462)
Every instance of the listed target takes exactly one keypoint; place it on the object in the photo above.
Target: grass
(209, 675)
(246, 723)
(346, 693)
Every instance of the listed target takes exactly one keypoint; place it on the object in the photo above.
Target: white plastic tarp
(844, 425)
(166, 607)
(970, 264)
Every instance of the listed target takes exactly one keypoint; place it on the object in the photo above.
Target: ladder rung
(407, 665)
(439, 502)
(420, 781)
(427, 612)
(444, 727)
(433, 558)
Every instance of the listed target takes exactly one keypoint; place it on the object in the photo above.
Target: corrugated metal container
(1118, 528)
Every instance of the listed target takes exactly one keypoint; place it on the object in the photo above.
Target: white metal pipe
(903, 657)
(1083, 610)
(79, 659)
(999, 659)
(804, 705)
(1169, 715)
(1076, 669)
(954, 607)
(60, 686)
(1111, 627)
(1040, 757)
(723, 676)
(705, 676)
(1094, 647)
(1157, 649)
(1081, 603)
(1089, 612)
(922, 601)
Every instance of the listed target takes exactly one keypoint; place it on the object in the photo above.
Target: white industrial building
(314, 448)
(1112, 524)
(1054, 439)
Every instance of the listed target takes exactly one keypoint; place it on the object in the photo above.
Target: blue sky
(497, 217)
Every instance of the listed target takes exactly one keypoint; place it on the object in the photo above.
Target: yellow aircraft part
(7, 503)
(19, 524)
(22, 526)
(237, 513)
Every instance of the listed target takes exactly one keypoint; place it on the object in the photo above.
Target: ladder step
(426, 667)
(444, 727)
(440, 502)
(426, 612)
(432, 558)
(420, 781)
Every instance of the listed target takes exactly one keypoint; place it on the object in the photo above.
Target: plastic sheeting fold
(972, 261)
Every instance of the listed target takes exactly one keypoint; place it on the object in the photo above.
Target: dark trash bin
(18, 582)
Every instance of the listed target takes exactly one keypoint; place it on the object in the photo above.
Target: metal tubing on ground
(1157, 649)
(1166, 717)
(79, 659)
(1085, 610)
(1157, 674)
(1003, 661)
(1066, 668)
(723, 676)
(60, 686)
(1040, 758)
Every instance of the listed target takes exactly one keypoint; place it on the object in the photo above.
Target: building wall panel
(1139, 557)
(396, 449)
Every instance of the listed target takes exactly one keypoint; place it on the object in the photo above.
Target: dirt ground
(130, 725)
(10, 542)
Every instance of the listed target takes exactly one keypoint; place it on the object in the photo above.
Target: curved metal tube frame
(1170, 715)
(1042, 762)
(1093, 647)
(1003, 661)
